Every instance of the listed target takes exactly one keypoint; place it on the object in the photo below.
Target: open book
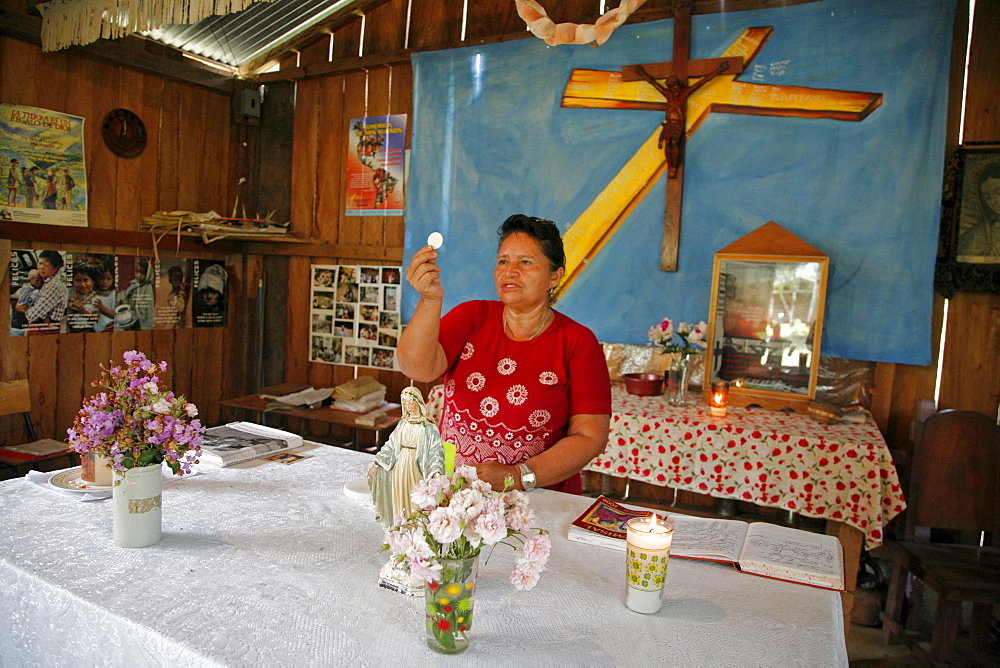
(758, 548)
(239, 442)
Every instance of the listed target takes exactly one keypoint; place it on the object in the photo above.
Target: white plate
(358, 489)
(71, 479)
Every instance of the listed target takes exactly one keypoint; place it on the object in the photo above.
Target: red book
(45, 447)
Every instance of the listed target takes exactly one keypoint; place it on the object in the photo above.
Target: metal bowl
(644, 384)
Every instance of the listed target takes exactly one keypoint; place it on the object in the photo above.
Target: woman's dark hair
(53, 257)
(543, 231)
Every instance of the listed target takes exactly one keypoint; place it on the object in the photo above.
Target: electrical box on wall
(250, 102)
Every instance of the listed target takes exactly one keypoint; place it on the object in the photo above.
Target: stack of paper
(357, 389)
(308, 398)
(359, 395)
(362, 405)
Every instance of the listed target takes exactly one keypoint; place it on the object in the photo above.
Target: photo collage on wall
(354, 315)
(54, 292)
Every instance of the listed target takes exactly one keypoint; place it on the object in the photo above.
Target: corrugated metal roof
(236, 39)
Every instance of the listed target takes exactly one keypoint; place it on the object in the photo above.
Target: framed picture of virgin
(971, 222)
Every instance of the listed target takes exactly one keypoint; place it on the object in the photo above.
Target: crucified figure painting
(675, 125)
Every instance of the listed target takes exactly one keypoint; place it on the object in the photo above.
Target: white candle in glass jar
(646, 559)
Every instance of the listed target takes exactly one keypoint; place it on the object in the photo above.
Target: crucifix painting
(688, 92)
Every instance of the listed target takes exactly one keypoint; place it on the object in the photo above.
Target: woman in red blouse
(527, 391)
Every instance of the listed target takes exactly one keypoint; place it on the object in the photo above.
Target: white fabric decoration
(544, 28)
(68, 22)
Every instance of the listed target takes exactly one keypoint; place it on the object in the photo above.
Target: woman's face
(523, 274)
(410, 407)
(45, 268)
(990, 191)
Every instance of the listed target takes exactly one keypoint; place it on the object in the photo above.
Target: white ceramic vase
(136, 496)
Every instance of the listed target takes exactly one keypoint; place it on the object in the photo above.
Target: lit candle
(720, 399)
(646, 555)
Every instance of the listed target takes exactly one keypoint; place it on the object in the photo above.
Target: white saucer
(358, 489)
(72, 479)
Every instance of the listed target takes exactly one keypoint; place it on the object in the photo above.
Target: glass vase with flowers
(680, 343)
(457, 516)
(137, 424)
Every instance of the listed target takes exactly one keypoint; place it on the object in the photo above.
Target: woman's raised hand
(424, 274)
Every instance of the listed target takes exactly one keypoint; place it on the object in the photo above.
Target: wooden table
(256, 403)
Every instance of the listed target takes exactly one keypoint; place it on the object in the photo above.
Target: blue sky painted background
(490, 139)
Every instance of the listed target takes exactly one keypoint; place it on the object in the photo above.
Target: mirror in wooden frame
(768, 294)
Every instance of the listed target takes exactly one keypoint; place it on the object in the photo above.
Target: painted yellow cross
(598, 89)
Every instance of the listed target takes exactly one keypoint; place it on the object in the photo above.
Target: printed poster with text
(375, 166)
(42, 171)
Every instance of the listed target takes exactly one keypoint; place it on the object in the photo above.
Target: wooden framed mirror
(766, 319)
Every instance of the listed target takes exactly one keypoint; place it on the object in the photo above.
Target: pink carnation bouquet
(456, 516)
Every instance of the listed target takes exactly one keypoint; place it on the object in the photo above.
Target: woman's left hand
(496, 474)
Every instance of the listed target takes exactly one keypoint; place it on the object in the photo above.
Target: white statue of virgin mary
(412, 452)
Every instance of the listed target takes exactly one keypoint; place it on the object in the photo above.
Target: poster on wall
(54, 292)
(92, 299)
(136, 298)
(39, 290)
(209, 306)
(42, 168)
(354, 315)
(172, 289)
(375, 166)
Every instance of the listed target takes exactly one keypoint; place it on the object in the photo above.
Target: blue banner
(491, 138)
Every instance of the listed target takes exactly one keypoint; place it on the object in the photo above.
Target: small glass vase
(679, 377)
(136, 509)
(448, 605)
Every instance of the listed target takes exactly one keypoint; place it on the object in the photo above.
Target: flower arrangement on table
(137, 421)
(456, 516)
(685, 339)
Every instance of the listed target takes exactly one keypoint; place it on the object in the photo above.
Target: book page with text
(793, 554)
(704, 538)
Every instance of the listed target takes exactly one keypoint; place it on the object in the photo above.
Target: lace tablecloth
(271, 564)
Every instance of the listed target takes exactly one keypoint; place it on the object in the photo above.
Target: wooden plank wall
(187, 165)
(971, 375)
(325, 106)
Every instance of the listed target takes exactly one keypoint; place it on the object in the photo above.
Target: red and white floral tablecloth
(841, 472)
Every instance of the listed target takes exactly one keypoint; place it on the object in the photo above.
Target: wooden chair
(15, 397)
(954, 484)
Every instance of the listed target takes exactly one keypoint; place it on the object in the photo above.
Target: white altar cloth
(271, 564)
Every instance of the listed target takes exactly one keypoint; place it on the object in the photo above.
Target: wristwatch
(527, 477)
